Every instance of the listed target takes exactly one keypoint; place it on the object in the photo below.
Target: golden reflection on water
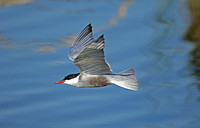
(121, 12)
(6, 43)
(193, 35)
(45, 49)
(13, 2)
(2, 40)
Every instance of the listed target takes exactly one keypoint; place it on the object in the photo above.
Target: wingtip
(89, 26)
(100, 38)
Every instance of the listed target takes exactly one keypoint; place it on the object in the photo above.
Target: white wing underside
(88, 54)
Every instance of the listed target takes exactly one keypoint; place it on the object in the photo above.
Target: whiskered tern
(88, 55)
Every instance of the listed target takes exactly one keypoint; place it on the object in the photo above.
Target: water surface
(153, 36)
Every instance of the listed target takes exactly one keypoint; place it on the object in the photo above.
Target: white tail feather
(128, 71)
(126, 79)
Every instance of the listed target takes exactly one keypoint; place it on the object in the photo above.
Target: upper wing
(91, 59)
(83, 39)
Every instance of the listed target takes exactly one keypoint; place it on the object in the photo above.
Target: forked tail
(126, 79)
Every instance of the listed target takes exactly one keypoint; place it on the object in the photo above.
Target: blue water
(145, 34)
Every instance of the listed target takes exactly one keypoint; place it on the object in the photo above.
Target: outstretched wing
(91, 59)
(83, 39)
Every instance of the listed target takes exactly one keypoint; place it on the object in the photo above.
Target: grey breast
(99, 81)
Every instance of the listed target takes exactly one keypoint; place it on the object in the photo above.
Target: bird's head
(69, 79)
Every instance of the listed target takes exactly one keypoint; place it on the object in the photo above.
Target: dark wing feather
(83, 39)
(91, 59)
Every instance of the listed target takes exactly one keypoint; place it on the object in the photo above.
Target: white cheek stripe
(72, 81)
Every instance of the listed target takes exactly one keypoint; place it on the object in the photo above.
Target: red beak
(59, 82)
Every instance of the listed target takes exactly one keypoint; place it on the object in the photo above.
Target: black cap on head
(71, 76)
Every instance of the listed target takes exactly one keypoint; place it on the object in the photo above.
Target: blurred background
(160, 39)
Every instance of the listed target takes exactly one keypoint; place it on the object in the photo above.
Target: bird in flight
(88, 55)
